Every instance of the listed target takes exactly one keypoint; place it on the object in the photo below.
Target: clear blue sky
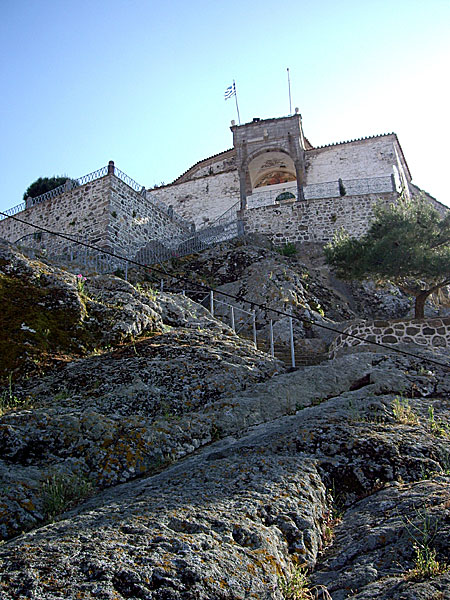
(141, 82)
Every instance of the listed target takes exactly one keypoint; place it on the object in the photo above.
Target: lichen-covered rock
(221, 525)
(241, 511)
(117, 312)
(180, 311)
(110, 418)
(266, 462)
(48, 315)
(375, 549)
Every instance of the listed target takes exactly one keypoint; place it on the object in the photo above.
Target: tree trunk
(419, 307)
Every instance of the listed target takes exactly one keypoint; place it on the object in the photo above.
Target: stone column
(242, 155)
(298, 156)
(299, 175)
(243, 187)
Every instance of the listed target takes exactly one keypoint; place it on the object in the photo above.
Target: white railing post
(211, 302)
(272, 349)
(254, 329)
(291, 328)
(161, 286)
(233, 326)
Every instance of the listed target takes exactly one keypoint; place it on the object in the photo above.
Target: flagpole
(237, 106)
(289, 86)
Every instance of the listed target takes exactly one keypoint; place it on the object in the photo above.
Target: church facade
(281, 184)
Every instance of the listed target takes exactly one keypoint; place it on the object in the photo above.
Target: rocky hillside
(147, 452)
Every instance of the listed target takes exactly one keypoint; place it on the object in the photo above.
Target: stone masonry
(135, 221)
(83, 212)
(313, 220)
(204, 198)
(105, 212)
(422, 332)
(287, 189)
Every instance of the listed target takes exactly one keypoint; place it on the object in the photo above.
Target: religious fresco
(272, 163)
(274, 177)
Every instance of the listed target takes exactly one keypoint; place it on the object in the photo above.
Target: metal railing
(128, 180)
(13, 211)
(98, 174)
(69, 253)
(229, 215)
(71, 184)
(238, 325)
(327, 189)
(166, 209)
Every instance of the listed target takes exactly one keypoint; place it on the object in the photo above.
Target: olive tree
(407, 242)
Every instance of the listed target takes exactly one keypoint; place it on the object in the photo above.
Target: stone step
(284, 354)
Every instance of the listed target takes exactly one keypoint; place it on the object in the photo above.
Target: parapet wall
(314, 220)
(422, 332)
(354, 160)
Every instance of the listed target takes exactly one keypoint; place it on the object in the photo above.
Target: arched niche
(269, 168)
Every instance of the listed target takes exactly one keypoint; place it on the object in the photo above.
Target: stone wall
(106, 212)
(314, 220)
(83, 213)
(219, 163)
(135, 221)
(201, 200)
(373, 157)
(422, 332)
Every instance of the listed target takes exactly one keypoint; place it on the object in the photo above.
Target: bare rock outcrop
(231, 520)
(165, 458)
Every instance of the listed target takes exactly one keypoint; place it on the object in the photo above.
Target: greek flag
(230, 91)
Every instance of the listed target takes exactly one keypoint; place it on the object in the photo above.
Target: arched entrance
(269, 153)
(270, 173)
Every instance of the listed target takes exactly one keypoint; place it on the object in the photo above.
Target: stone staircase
(284, 354)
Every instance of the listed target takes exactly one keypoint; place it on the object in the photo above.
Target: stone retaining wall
(135, 221)
(83, 213)
(105, 212)
(423, 332)
(314, 220)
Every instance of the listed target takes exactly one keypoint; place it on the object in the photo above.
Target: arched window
(285, 196)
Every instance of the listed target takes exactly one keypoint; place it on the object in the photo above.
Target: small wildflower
(80, 282)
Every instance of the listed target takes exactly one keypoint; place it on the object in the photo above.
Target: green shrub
(426, 564)
(403, 413)
(288, 249)
(297, 587)
(9, 401)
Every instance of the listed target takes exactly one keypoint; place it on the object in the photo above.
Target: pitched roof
(361, 139)
(203, 163)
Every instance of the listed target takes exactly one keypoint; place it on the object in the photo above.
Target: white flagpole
(237, 107)
(289, 86)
